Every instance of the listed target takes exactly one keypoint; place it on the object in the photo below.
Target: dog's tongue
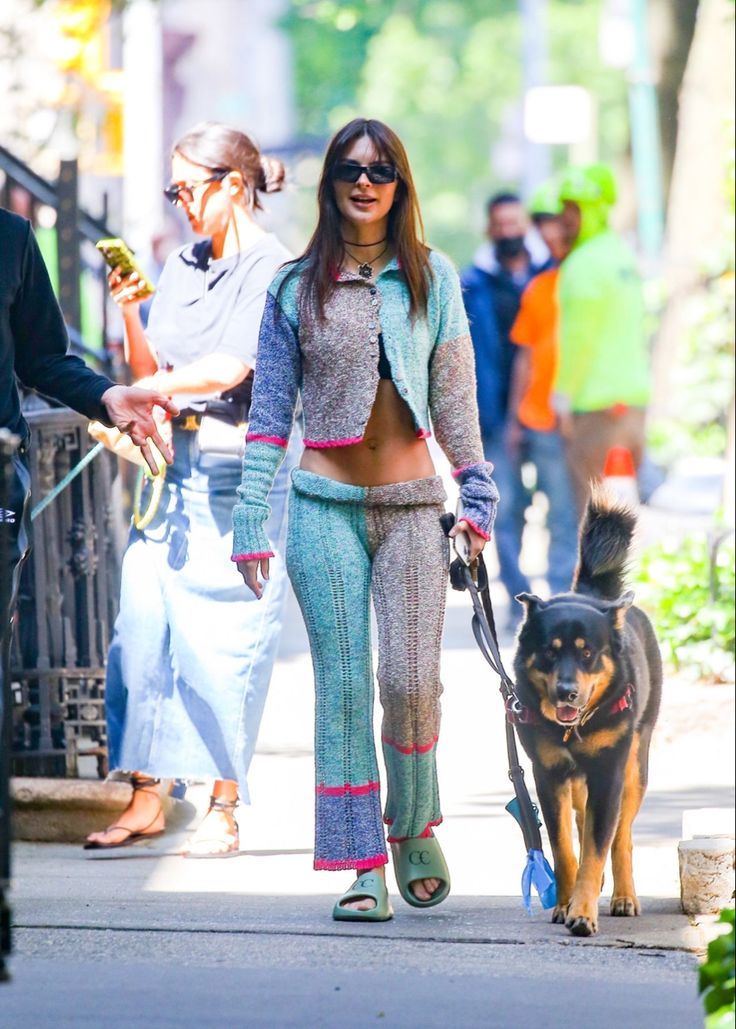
(567, 714)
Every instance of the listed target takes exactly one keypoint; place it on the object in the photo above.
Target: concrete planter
(706, 874)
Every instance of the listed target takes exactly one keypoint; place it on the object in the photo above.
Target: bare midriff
(389, 451)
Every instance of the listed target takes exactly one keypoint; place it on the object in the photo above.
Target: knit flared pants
(345, 545)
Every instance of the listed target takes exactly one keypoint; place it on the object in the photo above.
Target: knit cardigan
(333, 364)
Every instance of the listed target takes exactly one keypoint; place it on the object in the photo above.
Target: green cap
(589, 184)
(545, 200)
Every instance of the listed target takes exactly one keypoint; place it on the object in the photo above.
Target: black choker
(377, 243)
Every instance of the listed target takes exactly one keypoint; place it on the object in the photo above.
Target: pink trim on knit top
(476, 528)
(457, 472)
(317, 444)
(252, 557)
(276, 440)
(323, 444)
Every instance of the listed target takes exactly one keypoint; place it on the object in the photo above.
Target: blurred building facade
(232, 65)
(114, 85)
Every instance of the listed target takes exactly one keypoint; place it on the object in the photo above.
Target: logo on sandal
(419, 857)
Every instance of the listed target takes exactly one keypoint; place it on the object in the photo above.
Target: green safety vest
(603, 346)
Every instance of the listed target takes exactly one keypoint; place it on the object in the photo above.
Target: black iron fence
(70, 585)
(67, 604)
(8, 446)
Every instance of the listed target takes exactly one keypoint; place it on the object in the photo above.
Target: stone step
(67, 810)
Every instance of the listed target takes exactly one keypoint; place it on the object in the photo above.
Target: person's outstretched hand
(131, 411)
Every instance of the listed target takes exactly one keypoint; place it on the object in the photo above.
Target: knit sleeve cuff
(249, 537)
(478, 496)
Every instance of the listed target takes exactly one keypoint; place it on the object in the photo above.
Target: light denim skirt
(192, 651)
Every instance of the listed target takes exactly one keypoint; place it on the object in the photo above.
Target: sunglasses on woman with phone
(179, 192)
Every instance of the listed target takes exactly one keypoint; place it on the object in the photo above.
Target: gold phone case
(118, 254)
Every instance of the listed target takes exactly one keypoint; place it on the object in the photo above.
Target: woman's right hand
(127, 290)
(249, 571)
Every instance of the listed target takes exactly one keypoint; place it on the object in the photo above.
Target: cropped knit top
(333, 364)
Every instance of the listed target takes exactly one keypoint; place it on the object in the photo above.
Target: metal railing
(74, 228)
(45, 192)
(70, 585)
(8, 446)
(67, 603)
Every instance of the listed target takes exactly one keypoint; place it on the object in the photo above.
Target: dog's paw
(582, 925)
(625, 907)
(559, 915)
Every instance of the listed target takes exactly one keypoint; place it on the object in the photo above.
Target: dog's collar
(624, 701)
(520, 714)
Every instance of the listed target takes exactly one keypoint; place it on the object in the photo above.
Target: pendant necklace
(365, 268)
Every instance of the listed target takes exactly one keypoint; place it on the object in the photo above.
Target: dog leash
(474, 581)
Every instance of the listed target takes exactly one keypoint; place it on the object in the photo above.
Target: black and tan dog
(589, 677)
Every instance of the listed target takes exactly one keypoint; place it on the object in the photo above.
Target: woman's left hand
(477, 542)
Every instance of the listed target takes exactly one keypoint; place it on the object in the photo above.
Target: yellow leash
(142, 519)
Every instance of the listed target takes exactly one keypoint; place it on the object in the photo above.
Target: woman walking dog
(191, 658)
(368, 325)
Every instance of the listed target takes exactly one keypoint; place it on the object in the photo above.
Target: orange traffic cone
(619, 476)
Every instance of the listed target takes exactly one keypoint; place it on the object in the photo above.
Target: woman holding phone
(191, 657)
(368, 326)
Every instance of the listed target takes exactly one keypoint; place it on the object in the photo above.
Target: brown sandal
(138, 783)
(232, 841)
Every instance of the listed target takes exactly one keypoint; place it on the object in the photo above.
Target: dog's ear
(618, 609)
(531, 602)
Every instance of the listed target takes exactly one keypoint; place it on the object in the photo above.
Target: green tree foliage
(701, 383)
(447, 76)
(329, 41)
(687, 587)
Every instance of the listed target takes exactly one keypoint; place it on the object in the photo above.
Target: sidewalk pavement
(250, 942)
(263, 918)
(691, 767)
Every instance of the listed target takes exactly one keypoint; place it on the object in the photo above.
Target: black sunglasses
(379, 173)
(177, 192)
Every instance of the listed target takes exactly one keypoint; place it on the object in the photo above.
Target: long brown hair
(221, 147)
(323, 256)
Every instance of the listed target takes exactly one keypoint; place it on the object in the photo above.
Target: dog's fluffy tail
(606, 533)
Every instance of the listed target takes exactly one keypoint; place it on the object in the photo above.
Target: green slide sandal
(372, 886)
(420, 859)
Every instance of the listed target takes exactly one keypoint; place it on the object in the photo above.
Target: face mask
(508, 248)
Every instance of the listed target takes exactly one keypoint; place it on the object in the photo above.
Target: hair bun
(273, 176)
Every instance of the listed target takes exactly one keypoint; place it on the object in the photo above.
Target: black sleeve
(41, 342)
